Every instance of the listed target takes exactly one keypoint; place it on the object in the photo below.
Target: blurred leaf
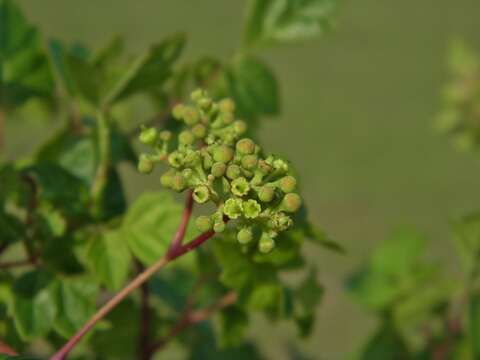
(11, 229)
(114, 201)
(109, 259)
(34, 308)
(306, 298)
(173, 287)
(59, 256)
(467, 236)
(76, 300)
(24, 70)
(60, 188)
(233, 325)
(150, 224)
(273, 21)
(254, 88)
(149, 70)
(386, 344)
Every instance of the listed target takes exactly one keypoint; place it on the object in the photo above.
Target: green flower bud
(240, 186)
(245, 235)
(207, 161)
(148, 136)
(178, 182)
(199, 131)
(264, 168)
(205, 103)
(245, 146)
(223, 154)
(233, 208)
(188, 175)
(218, 169)
(227, 118)
(240, 127)
(201, 194)
(287, 184)
(233, 171)
(175, 159)
(203, 223)
(145, 164)
(178, 111)
(251, 209)
(192, 158)
(197, 94)
(186, 138)
(167, 178)
(280, 165)
(226, 105)
(165, 135)
(266, 243)
(190, 115)
(219, 227)
(266, 193)
(249, 162)
(291, 202)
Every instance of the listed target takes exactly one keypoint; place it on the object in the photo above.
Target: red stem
(182, 228)
(137, 282)
(6, 349)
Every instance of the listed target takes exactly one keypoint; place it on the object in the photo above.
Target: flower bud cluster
(211, 158)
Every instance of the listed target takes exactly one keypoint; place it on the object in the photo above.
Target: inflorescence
(212, 159)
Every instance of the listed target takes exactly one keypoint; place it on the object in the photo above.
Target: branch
(135, 284)
(182, 228)
(6, 349)
(190, 318)
(144, 334)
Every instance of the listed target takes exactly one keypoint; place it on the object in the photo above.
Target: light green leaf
(253, 86)
(109, 259)
(150, 224)
(274, 21)
(34, 308)
(76, 300)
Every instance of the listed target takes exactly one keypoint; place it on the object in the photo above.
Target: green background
(357, 119)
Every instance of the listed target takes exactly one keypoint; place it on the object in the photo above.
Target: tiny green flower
(240, 127)
(249, 162)
(264, 168)
(233, 171)
(203, 223)
(291, 202)
(175, 159)
(190, 115)
(148, 136)
(226, 105)
(197, 94)
(251, 209)
(201, 194)
(178, 182)
(145, 164)
(266, 243)
(205, 103)
(219, 227)
(245, 235)
(199, 131)
(223, 154)
(167, 178)
(287, 184)
(245, 146)
(165, 135)
(233, 208)
(240, 186)
(218, 169)
(178, 111)
(280, 165)
(186, 138)
(266, 193)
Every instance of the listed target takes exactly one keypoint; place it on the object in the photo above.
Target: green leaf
(34, 308)
(306, 298)
(474, 325)
(385, 344)
(150, 224)
(254, 88)
(173, 287)
(149, 70)
(109, 259)
(467, 236)
(233, 324)
(274, 21)
(24, 70)
(11, 229)
(76, 300)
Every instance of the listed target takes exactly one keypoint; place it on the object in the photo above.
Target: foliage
(68, 237)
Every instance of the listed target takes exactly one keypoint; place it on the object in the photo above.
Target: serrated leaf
(150, 224)
(34, 307)
(24, 70)
(254, 88)
(148, 71)
(274, 21)
(109, 259)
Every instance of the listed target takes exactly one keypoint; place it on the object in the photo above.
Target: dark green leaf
(149, 70)
(109, 259)
(34, 308)
(233, 324)
(273, 21)
(386, 344)
(254, 88)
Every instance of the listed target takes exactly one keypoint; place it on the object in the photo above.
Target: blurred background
(357, 119)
